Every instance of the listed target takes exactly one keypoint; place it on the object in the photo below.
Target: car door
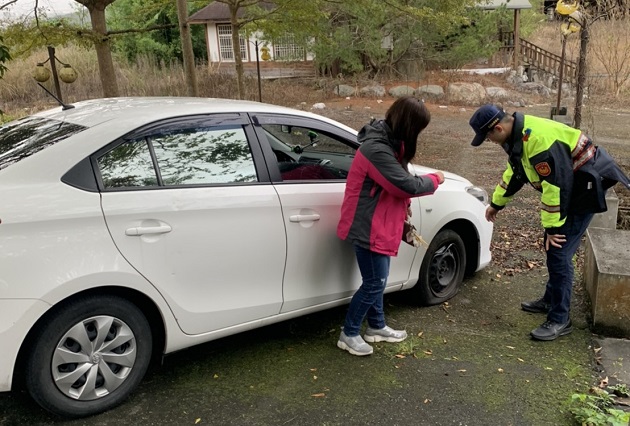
(308, 162)
(189, 206)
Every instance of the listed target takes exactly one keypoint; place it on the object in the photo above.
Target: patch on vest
(543, 169)
(526, 134)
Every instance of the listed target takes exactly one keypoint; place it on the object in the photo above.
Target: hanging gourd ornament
(67, 74)
(265, 56)
(41, 73)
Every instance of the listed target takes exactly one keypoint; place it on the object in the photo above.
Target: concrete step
(607, 280)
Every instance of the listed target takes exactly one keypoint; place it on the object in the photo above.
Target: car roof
(143, 110)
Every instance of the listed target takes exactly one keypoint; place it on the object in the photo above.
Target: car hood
(422, 170)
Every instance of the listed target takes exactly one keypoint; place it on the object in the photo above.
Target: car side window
(198, 156)
(308, 154)
(128, 166)
(205, 156)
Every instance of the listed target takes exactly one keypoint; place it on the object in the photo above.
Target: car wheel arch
(470, 237)
(145, 304)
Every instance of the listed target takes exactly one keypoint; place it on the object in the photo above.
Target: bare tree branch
(141, 30)
(7, 4)
(37, 21)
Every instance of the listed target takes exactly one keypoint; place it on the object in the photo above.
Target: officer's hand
(554, 240)
(491, 214)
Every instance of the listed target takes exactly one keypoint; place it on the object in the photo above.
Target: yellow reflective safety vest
(546, 154)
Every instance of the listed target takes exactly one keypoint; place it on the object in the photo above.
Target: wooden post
(517, 40)
(53, 67)
(561, 72)
(258, 72)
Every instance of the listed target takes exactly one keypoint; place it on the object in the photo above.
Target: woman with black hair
(375, 205)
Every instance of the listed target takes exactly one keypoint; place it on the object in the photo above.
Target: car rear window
(23, 138)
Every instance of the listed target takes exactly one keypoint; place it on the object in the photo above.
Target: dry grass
(608, 59)
(20, 94)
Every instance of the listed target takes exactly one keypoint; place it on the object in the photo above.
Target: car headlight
(479, 193)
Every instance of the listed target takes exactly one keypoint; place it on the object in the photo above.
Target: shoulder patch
(526, 134)
(543, 169)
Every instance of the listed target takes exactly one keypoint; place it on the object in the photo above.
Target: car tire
(62, 349)
(442, 270)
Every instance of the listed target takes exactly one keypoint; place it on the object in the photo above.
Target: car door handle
(144, 230)
(303, 217)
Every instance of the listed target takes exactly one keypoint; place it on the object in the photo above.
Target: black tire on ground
(62, 349)
(442, 270)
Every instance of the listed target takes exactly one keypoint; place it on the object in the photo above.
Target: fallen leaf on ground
(400, 356)
(603, 382)
(500, 370)
(318, 395)
(197, 420)
(428, 352)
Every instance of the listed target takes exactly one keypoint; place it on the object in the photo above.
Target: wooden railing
(542, 59)
(537, 57)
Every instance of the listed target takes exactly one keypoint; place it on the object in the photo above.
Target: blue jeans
(560, 267)
(368, 300)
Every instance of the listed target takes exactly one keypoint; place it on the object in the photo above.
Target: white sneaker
(355, 345)
(385, 334)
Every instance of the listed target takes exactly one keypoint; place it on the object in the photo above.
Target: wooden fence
(539, 58)
(542, 59)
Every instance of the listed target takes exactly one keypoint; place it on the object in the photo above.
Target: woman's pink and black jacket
(378, 190)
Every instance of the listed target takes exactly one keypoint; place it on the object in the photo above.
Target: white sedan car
(132, 228)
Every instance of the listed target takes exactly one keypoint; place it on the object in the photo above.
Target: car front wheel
(442, 270)
(88, 356)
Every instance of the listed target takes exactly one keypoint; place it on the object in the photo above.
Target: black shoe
(536, 306)
(550, 330)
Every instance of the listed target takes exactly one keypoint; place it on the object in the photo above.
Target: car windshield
(23, 138)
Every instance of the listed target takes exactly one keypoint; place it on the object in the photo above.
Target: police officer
(571, 173)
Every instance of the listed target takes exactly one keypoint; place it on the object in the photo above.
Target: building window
(225, 43)
(285, 49)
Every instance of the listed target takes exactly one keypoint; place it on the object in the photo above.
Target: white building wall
(213, 46)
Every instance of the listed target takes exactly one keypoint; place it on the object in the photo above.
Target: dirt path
(445, 144)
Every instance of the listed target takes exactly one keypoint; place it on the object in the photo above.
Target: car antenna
(63, 106)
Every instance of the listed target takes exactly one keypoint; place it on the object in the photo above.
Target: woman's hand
(440, 176)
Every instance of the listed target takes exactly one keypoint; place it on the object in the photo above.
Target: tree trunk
(236, 49)
(103, 51)
(581, 77)
(187, 49)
